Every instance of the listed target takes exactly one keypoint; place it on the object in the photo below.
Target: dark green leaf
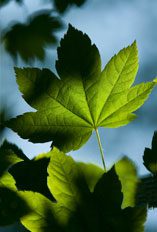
(5, 114)
(3, 118)
(108, 193)
(150, 156)
(147, 192)
(134, 219)
(32, 174)
(63, 5)
(30, 39)
(12, 206)
(92, 173)
(9, 155)
(5, 2)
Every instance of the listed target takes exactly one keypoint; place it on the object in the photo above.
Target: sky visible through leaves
(110, 33)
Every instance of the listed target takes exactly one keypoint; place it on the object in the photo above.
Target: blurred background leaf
(62, 5)
(30, 39)
(147, 192)
(5, 2)
(5, 114)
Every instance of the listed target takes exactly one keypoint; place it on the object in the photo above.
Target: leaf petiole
(101, 148)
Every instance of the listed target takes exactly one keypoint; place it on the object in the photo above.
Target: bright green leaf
(43, 216)
(6, 180)
(84, 98)
(127, 174)
(65, 180)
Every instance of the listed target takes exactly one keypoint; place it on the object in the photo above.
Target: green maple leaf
(77, 208)
(84, 98)
(150, 156)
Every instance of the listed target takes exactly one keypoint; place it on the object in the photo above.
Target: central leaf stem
(101, 149)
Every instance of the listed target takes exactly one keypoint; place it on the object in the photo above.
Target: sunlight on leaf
(77, 209)
(84, 98)
(127, 173)
(12, 206)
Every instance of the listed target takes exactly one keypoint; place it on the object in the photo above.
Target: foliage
(5, 114)
(76, 207)
(84, 98)
(5, 2)
(63, 5)
(30, 39)
(9, 155)
(32, 174)
(12, 205)
(150, 156)
(147, 188)
(52, 191)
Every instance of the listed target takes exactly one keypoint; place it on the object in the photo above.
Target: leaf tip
(155, 80)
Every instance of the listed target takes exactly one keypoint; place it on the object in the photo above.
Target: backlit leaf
(127, 174)
(12, 206)
(77, 208)
(91, 172)
(84, 98)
